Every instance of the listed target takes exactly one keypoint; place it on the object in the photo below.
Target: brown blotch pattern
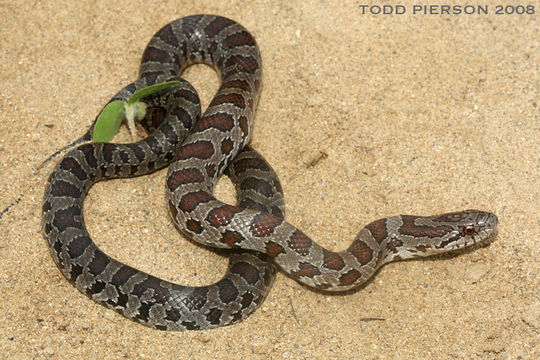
(236, 84)
(247, 271)
(98, 263)
(332, 261)
(349, 278)
(221, 121)
(234, 99)
(378, 230)
(244, 125)
(123, 275)
(260, 186)
(194, 226)
(154, 283)
(63, 188)
(249, 163)
(172, 209)
(157, 55)
(227, 291)
(191, 200)
(247, 299)
(184, 116)
(238, 39)
(222, 215)
(409, 228)
(89, 156)
(78, 245)
(264, 225)
(242, 63)
(422, 248)
(184, 176)
(231, 238)
(216, 26)
(214, 316)
(73, 166)
(153, 118)
(167, 35)
(306, 269)
(394, 245)
(274, 249)
(361, 252)
(226, 146)
(300, 243)
(200, 149)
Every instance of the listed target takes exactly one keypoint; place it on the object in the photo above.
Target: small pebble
(476, 272)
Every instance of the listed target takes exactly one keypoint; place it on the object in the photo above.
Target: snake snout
(491, 221)
(487, 222)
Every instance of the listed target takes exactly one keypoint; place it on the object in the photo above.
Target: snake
(254, 229)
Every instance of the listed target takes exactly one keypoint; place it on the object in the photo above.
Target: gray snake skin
(200, 151)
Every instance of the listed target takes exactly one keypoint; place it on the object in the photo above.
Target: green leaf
(149, 90)
(109, 121)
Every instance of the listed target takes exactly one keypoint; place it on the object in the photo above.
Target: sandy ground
(362, 117)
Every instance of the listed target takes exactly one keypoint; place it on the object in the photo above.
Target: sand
(363, 116)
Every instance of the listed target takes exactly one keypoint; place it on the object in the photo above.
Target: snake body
(199, 155)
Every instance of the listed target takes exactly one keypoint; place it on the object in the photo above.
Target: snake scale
(199, 149)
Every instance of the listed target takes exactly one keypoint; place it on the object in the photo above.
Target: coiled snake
(201, 150)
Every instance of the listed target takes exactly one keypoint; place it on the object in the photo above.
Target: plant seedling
(111, 117)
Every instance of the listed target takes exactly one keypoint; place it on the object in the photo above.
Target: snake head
(466, 228)
(416, 236)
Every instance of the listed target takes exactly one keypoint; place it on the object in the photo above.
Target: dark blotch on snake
(333, 261)
(349, 277)
(362, 252)
(247, 271)
(65, 218)
(410, 228)
(217, 25)
(63, 188)
(242, 38)
(88, 153)
(190, 201)
(260, 186)
(96, 288)
(72, 165)
(274, 249)
(264, 224)
(201, 150)
(222, 215)
(78, 245)
(231, 238)
(213, 316)
(123, 274)
(194, 226)
(184, 176)
(227, 146)
(233, 99)
(306, 269)
(220, 121)
(227, 291)
(98, 263)
(300, 243)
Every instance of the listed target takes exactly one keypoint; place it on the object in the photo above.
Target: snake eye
(468, 230)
